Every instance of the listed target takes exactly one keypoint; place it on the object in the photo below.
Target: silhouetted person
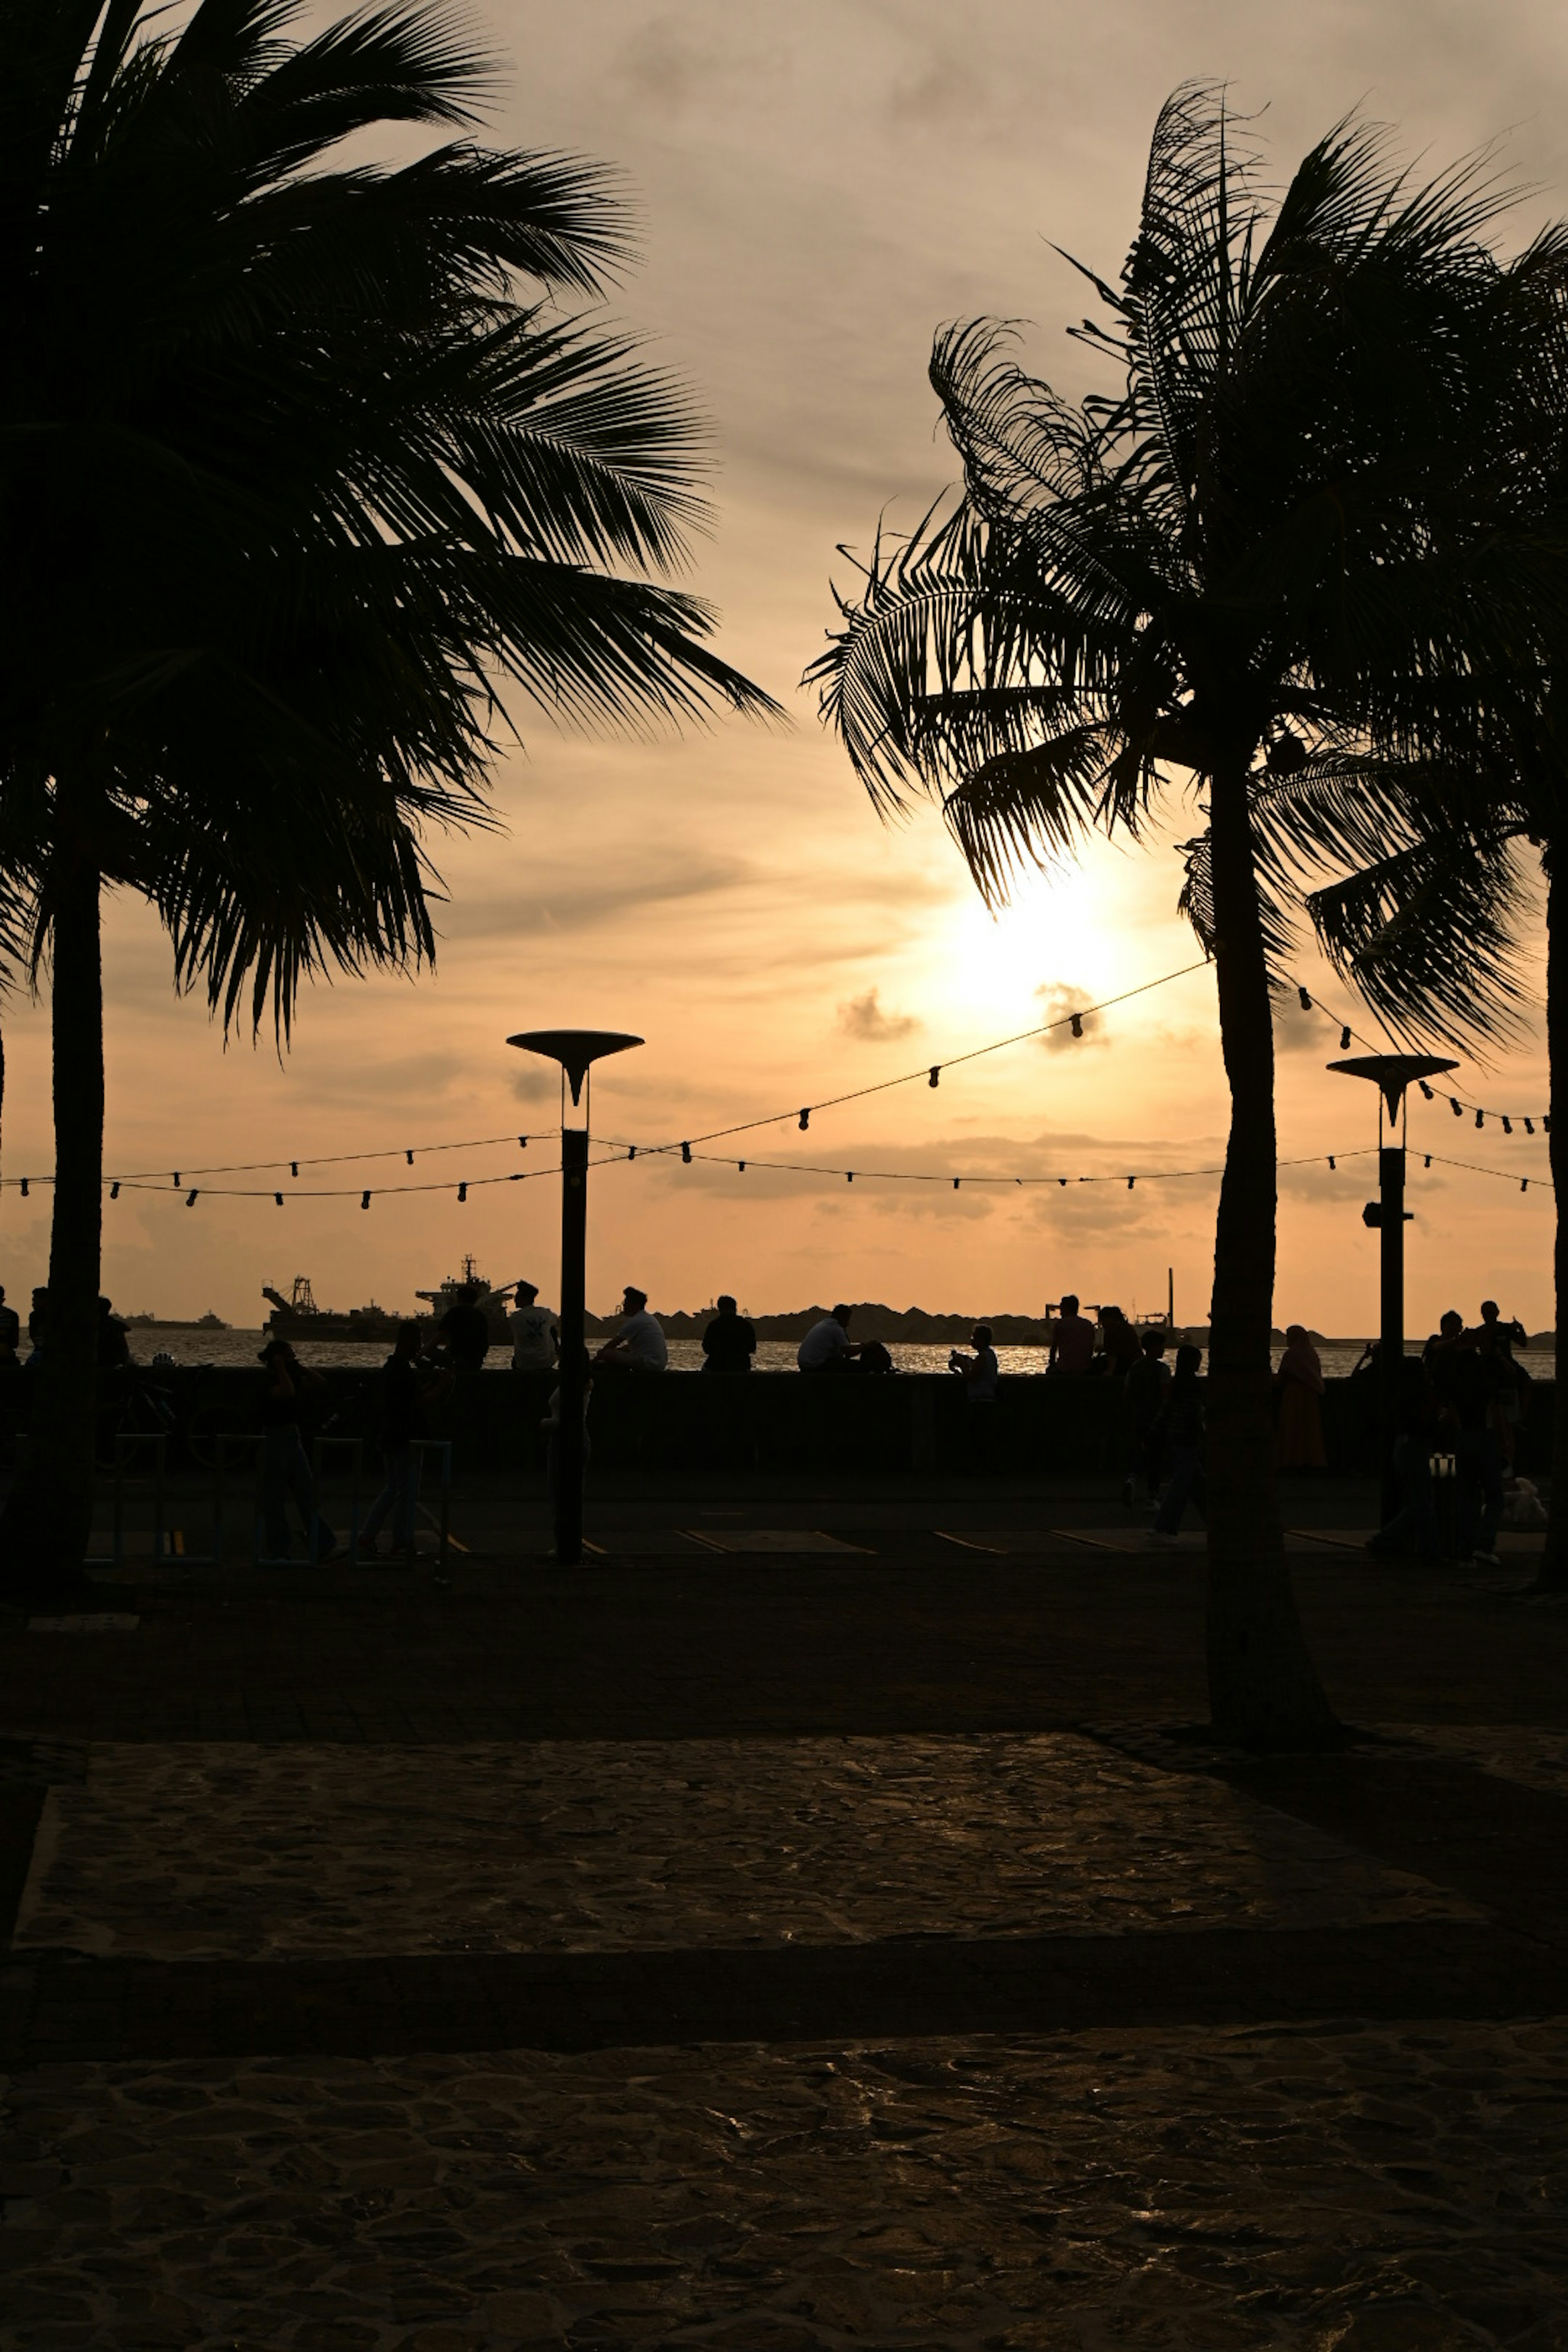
(980, 1374)
(1143, 1394)
(1414, 1527)
(730, 1341)
(1118, 1344)
(828, 1346)
(1072, 1342)
(465, 1331)
(640, 1345)
(1184, 1425)
(285, 1467)
(1459, 1384)
(113, 1347)
(38, 1318)
(406, 1387)
(1507, 1383)
(552, 1424)
(10, 1328)
(534, 1339)
(1298, 1387)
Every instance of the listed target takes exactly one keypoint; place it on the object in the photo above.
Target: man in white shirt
(533, 1328)
(639, 1345)
(828, 1346)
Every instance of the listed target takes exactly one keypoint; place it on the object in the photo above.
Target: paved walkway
(781, 1952)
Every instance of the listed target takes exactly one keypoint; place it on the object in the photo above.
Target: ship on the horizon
(298, 1317)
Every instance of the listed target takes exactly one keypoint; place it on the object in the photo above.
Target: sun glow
(1056, 933)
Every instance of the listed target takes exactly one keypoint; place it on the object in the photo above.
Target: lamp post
(576, 1050)
(1392, 1074)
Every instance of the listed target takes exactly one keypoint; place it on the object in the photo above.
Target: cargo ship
(299, 1316)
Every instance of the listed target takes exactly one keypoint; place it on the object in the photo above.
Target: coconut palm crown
(1269, 534)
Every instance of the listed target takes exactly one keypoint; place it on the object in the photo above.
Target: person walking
(285, 1467)
(406, 1387)
(1183, 1429)
(1299, 1391)
(730, 1341)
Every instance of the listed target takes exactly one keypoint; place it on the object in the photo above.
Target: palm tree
(304, 477)
(1228, 567)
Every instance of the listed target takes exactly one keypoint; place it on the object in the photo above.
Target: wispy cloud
(863, 1017)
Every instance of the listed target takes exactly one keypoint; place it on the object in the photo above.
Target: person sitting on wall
(828, 1346)
(730, 1341)
(465, 1331)
(639, 1345)
(1072, 1342)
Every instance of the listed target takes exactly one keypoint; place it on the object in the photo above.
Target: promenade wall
(786, 1423)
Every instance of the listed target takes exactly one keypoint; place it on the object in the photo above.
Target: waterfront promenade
(819, 1922)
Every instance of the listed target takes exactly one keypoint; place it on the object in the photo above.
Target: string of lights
(623, 1151)
(1507, 1120)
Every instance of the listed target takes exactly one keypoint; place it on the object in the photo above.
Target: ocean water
(240, 1347)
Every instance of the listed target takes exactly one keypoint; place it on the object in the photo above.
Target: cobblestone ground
(239, 1851)
(1371, 2191)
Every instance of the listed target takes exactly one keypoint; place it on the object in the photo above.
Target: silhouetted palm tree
(296, 489)
(1221, 572)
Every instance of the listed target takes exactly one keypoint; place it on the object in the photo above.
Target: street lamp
(1392, 1074)
(576, 1050)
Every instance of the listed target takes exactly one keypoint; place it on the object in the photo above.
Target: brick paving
(778, 1951)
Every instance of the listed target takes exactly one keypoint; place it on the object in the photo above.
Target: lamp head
(574, 1049)
(1392, 1072)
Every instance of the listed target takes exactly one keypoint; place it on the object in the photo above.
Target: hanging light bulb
(1481, 1119)
(935, 1073)
(114, 1191)
(849, 1175)
(1529, 1127)
(1456, 1106)
(462, 1192)
(1425, 1091)
(1077, 1024)
(190, 1199)
(364, 1199)
(1330, 1160)
(1345, 1040)
(955, 1183)
(279, 1197)
(739, 1167)
(805, 1120)
(1306, 1000)
(293, 1168)
(685, 1154)
(409, 1156)
(24, 1188)
(1507, 1126)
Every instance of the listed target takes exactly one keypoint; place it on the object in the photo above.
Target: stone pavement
(795, 1952)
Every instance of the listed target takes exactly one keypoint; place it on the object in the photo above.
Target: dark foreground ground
(782, 1949)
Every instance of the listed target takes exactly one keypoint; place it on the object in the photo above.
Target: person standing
(730, 1341)
(534, 1339)
(405, 1389)
(1143, 1400)
(285, 1467)
(1118, 1344)
(1184, 1422)
(1507, 1383)
(980, 1374)
(1072, 1342)
(10, 1328)
(1298, 1389)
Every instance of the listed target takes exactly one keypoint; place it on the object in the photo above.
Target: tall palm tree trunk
(1554, 1567)
(1263, 1688)
(47, 1522)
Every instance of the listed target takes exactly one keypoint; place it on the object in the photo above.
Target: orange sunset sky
(819, 187)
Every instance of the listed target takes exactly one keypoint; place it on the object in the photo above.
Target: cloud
(863, 1017)
(576, 899)
(1058, 1001)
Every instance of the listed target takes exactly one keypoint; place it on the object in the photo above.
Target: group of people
(1459, 1409)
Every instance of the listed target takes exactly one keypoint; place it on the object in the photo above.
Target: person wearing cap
(639, 1345)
